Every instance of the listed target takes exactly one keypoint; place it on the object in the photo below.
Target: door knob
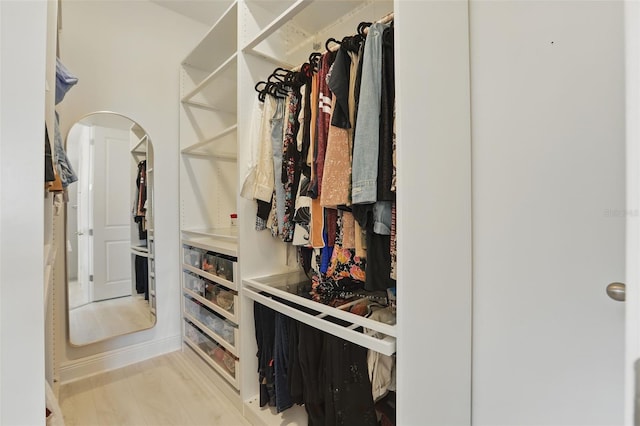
(617, 291)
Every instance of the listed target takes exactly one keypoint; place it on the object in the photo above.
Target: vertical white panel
(549, 211)
(434, 216)
(22, 97)
(632, 90)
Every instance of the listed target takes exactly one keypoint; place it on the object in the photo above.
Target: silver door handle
(617, 291)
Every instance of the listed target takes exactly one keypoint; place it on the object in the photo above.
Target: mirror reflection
(110, 243)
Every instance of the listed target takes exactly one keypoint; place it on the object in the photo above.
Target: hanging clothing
(49, 175)
(347, 388)
(281, 363)
(64, 81)
(63, 165)
(337, 167)
(277, 131)
(249, 181)
(387, 102)
(323, 121)
(290, 174)
(264, 321)
(367, 136)
(139, 208)
(263, 185)
(142, 276)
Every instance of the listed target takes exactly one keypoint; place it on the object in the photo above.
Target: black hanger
(352, 43)
(314, 60)
(362, 26)
(326, 44)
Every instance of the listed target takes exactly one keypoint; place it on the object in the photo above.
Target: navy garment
(142, 276)
(264, 319)
(281, 362)
(295, 371)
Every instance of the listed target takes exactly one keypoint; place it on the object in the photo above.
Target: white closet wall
(23, 27)
(434, 205)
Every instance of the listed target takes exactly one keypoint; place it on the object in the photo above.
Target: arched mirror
(109, 226)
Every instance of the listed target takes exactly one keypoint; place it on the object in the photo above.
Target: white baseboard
(118, 358)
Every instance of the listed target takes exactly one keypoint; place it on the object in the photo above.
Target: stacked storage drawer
(210, 309)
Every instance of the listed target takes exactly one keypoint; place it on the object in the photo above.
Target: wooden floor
(166, 390)
(101, 320)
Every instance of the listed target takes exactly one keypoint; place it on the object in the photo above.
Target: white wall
(22, 96)
(548, 165)
(126, 56)
(632, 330)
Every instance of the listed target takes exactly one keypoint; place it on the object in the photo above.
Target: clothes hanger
(331, 40)
(314, 60)
(362, 26)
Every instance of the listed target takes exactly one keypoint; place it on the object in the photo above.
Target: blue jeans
(366, 142)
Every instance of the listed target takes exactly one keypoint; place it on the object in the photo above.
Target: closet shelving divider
(208, 195)
(284, 33)
(142, 149)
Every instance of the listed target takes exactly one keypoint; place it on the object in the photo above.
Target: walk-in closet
(357, 212)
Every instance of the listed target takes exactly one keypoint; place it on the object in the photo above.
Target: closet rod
(384, 20)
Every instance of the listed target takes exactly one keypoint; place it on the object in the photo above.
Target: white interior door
(111, 214)
(548, 142)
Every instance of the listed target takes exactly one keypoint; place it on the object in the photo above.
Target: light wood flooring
(167, 390)
(101, 320)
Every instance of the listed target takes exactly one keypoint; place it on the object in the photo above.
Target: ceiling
(204, 11)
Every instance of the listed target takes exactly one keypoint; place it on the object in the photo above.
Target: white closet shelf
(213, 155)
(231, 316)
(211, 277)
(284, 18)
(278, 286)
(192, 149)
(218, 43)
(217, 367)
(219, 340)
(138, 147)
(299, 22)
(226, 234)
(221, 98)
(226, 71)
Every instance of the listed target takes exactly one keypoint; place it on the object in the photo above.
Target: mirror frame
(66, 254)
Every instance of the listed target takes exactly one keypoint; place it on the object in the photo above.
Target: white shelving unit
(244, 45)
(141, 149)
(208, 196)
(284, 33)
